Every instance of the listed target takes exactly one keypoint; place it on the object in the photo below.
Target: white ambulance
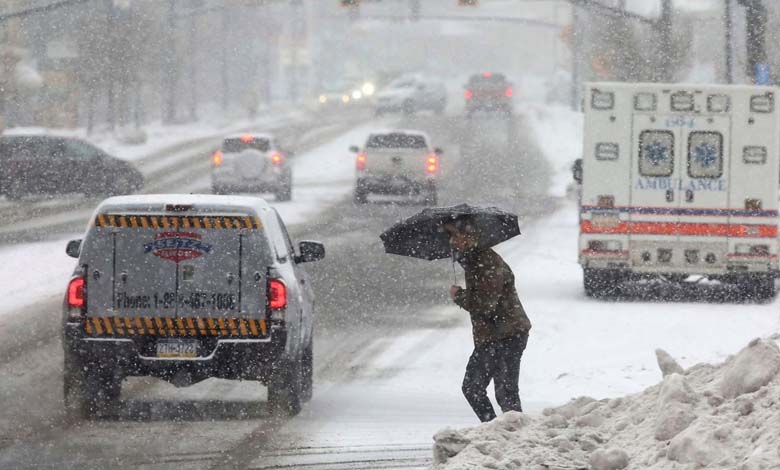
(680, 180)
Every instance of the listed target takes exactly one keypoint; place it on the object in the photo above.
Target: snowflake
(657, 153)
(705, 154)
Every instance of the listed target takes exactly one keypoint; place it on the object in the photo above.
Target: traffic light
(468, 3)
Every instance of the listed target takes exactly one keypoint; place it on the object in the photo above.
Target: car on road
(184, 288)
(398, 162)
(251, 162)
(490, 92)
(50, 165)
(412, 93)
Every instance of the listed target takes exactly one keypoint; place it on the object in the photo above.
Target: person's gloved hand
(454, 290)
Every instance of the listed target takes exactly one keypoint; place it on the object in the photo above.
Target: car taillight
(216, 159)
(277, 294)
(468, 94)
(277, 159)
(360, 162)
(508, 92)
(432, 164)
(76, 298)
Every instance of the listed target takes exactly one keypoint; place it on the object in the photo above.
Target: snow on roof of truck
(158, 203)
(399, 131)
(679, 86)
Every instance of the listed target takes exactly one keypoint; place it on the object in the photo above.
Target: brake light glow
(277, 294)
(76, 297)
(432, 164)
(508, 92)
(277, 159)
(360, 162)
(216, 159)
(468, 94)
(247, 138)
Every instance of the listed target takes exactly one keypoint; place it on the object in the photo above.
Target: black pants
(498, 361)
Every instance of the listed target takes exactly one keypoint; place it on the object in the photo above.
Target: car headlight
(368, 89)
(323, 99)
(357, 94)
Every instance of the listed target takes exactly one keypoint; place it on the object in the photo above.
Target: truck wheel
(285, 193)
(361, 195)
(284, 389)
(88, 393)
(600, 283)
(757, 288)
(307, 366)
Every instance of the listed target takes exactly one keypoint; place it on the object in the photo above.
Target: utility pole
(112, 66)
(224, 58)
(756, 19)
(576, 57)
(729, 26)
(170, 72)
(666, 44)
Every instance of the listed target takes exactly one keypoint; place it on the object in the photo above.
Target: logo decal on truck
(177, 246)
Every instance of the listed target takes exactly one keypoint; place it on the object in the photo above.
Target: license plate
(177, 348)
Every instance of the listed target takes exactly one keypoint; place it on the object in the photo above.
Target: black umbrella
(422, 235)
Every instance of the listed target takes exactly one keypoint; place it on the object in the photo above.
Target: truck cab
(183, 288)
(680, 180)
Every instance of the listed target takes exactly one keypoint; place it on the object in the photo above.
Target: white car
(251, 163)
(397, 162)
(412, 93)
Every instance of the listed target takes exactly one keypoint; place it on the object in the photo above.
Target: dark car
(42, 164)
(489, 92)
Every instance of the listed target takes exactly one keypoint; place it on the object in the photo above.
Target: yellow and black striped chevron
(177, 222)
(174, 327)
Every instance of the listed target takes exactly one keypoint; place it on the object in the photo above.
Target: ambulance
(679, 181)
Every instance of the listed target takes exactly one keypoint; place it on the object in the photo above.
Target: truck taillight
(432, 164)
(360, 162)
(277, 294)
(216, 159)
(277, 159)
(468, 94)
(77, 299)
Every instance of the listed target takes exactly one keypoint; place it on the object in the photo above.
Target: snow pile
(725, 416)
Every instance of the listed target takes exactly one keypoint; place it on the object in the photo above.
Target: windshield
(396, 141)
(240, 144)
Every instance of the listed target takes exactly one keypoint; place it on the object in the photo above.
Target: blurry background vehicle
(399, 162)
(489, 92)
(251, 163)
(334, 95)
(411, 93)
(48, 165)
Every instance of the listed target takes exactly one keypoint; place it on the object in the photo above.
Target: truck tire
(285, 192)
(361, 195)
(600, 283)
(307, 371)
(758, 287)
(285, 389)
(89, 393)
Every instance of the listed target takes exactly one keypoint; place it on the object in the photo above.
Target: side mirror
(74, 248)
(438, 151)
(354, 149)
(310, 251)
(576, 170)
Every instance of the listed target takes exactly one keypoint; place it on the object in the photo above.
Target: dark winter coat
(490, 297)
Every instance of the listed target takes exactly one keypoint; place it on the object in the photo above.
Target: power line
(41, 9)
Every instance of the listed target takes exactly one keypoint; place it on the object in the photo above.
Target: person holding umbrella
(500, 325)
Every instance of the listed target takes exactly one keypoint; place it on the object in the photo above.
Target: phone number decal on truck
(169, 300)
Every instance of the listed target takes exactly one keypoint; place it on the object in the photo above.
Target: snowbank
(715, 416)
